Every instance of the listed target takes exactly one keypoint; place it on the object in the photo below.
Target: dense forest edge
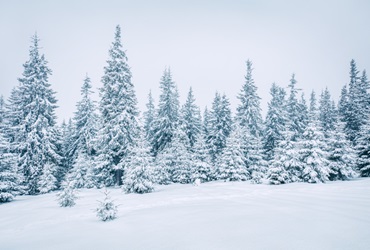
(109, 143)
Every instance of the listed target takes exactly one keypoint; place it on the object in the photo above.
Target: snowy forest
(108, 143)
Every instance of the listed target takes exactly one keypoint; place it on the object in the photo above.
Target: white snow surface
(217, 215)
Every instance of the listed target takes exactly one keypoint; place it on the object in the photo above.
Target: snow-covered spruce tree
(119, 125)
(363, 150)
(81, 144)
(276, 120)
(9, 177)
(294, 110)
(190, 118)
(277, 173)
(13, 117)
(163, 166)
(2, 110)
(67, 142)
(355, 113)
(327, 113)
(206, 123)
(81, 175)
(286, 165)
(182, 165)
(253, 155)
(304, 112)
(343, 103)
(201, 161)
(85, 121)
(36, 143)
(167, 118)
(173, 163)
(139, 175)
(313, 114)
(67, 196)
(364, 95)
(48, 181)
(313, 155)
(220, 125)
(249, 110)
(106, 210)
(231, 165)
(149, 117)
(342, 157)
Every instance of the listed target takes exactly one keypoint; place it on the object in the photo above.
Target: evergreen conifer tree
(12, 119)
(343, 103)
(81, 175)
(327, 113)
(149, 117)
(220, 125)
(286, 166)
(106, 210)
(254, 157)
(313, 111)
(118, 115)
(201, 161)
(363, 151)
(67, 196)
(190, 117)
(9, 177)
(231, 165)
(249, 110)
(139, 176)
(48, 181)
(295, 111)
(304, 113)
(355, 111)
(2, 110)
(276, 120)
(167, 118)
(182, 168)
(36, 143)
(342, 157)
(206, 123)
(85, 121)
(67, 131)
(313, 155)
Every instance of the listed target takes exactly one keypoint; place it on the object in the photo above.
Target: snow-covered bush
(67, 196)
(138, 174)
(106, 210)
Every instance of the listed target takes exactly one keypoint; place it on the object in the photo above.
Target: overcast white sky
(206, 44)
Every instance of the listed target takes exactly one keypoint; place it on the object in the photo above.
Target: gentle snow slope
(213, 216)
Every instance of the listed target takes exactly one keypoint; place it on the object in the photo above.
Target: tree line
(109, 143)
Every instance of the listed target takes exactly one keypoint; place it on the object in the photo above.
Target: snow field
(217, 215)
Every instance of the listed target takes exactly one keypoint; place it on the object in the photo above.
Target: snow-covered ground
(217, 215)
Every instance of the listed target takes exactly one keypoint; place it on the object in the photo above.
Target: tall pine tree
(139, 175)
(276, 120)
(363, 150)
(220, 125)
(313, 155)
(294, 109)
(249, 110)
(36, 143)
(118, 107)
(10, 180)
(342, 157)
(149, 117)
(327, 113)
(231, 165)
(355, 108)
(167, 118)
(85, 121)
(190, 118)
